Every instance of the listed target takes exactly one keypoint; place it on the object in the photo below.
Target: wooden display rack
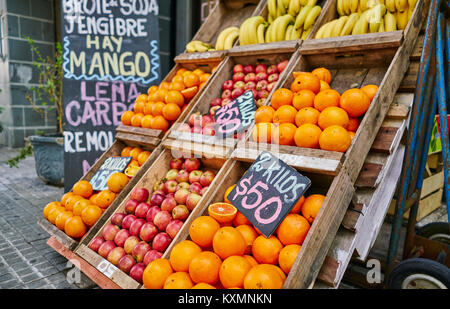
(210, 145)
(113, 151)
(154, 173)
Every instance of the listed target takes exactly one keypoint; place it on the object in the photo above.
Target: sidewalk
(26, 261)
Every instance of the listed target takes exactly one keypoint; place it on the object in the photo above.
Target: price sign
(107, 268)
(110, 166)
(236, 116)
(267, 192)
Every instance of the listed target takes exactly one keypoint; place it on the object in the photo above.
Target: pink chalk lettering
(118, 89)
(89, 114)
(84, 97)
(102, 113)
(99, 92)
(68, 113)
(117, 110)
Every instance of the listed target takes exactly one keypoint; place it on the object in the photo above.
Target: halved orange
(131, 170)
(189, 93)
(222, 212)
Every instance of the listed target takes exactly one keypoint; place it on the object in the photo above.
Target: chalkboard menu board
(268, 191)
(110, 57)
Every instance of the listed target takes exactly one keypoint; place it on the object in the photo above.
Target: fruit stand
(184, 183)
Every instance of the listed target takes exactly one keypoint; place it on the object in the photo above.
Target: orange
(312, 206)
(285, 114)
(54, 213)
(65, 197)
(93, 197)
(214, 69)
(205, 267)
(306, 80)
(324, 86)
(117, 181)
(148, 109)
(126, 118)
(355, 102)
(228, 241)
(230, 188)
(233, 271)
(249, 235)
(50, 206)
(284, 134)
(371, 91)
(160, 123)
(323, 74)
(74, 227)
(91, 214)
(181, 71)
(105, 198)
(177, 79)
(264, 114)
(204, 77)
(61, 219)
(298, 206)
(157, 108)
(266, 250)
(152, 89)
(198, 72)
(156, 273)
(135, 152)
(83, 188)
(307, 136)
(287, 257)
(293, 229)
(240, 220)
(126, 151)
(191, 80)
(171, 111)
(222, 212)
(139, 107)
(142, 98)
(202, 231)
(178, 86)
(160, 95)
(353, 124)
(182, 255)
(251, 260)
(136, 119)
(307, 115)
(71, 201)
(333, 116)
(179, 281)
(262, 132)
(203, 286)
(154, 97)
(164, 85)
(303, 98)
(143, 156)
(335, 138)
(263, 277)
(175, 97)
(281, 97)
(326, 98)
(79, 206)
(352, 134)
(189, 93)
(146, 122)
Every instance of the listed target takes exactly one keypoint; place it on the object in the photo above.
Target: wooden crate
(374, 41)
(220, 18)
(114, 150)
(210, 145)
(152, 174)
(158, 135)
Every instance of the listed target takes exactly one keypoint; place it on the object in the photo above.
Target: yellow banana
(200, 47)
(312, 16)
(339, 26)
(354, 6)
(305, 33)
(231, 38)
(267, 38)
(340, 8)
(272, 6)
(390, 22)
(329, 30)
(300, 20)
(312, 2)
(252, 28)
(402, 19)
(294, 7)
(346, 6)
(243, 33)
(374, 17)
(412, 4)
(288, 34)
(286, 4)
(381, 28)
(410, 11)
(296, 34)
(319, 32)
(281, 25)
(348, 27)
(362, 25)
(280, 8)
(220, 42)
(363, 5)
(190, 47)
(401, 5)
(304, 2)
(390, 5)
(261, 31)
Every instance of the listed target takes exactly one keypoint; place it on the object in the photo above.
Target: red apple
(261, 76)
(282, 65)
(136, 226)
(152, 213)
(127, 221)
(238, 77)
(126, 263)
(255, 93)
(130, 243)
(169, 203)
(238, 68)
(263, 94)
(237, 93)
(240, 84)
(110, 231)
(106, 248)
(162, 219)
(249, 68)
(226, 94)
(192, 164)
(261, 85)
(180, 198)
(209, 130)
(261, 68)
(250, 85)
(204, 190)
(181, 212)
(140, 195)
(195, 187)
(171, 174)
(183, 185)
(115, 255)
(195, 120)
(159, 185)
(130, 206)
(117, 218)
(213, 110)
(158, 198)
(151, 256)
(250, 77)
(206, 179)
(261, 102)
(192, 200)
(176, 164)
(96, 243)
(169, 187)
(207, 120)
(227, 85)
(273, 77)
(173, 228)
(140, 250)
(226, 101)
(141, 210)
(216, 102)
(121, 237)
(272, 69)
(148, 232)
(271, 86)
(195, 176)
(161, 242)
(137, 271)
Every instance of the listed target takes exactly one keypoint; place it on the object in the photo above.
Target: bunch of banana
(253, 31)
(227, 38)
(198, 46)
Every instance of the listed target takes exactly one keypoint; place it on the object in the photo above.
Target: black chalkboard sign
(110, 57)
(236, 116)
(110, 166)
(267, 192)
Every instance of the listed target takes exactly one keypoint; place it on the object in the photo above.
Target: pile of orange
(81, 208)
(163, 104)
(312, 115)
(224, 250)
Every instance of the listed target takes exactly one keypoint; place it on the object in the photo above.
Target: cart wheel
(420, 273)
(438, 231)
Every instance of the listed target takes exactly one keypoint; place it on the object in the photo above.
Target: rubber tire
(433, 228)
(418, 266)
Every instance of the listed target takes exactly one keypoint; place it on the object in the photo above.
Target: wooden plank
(427, 205)
(368, 175)
(138, 139)
(265, 49)
(57, 234)
(384, 139)
(352, 216)
(100, 279)
(198, 149)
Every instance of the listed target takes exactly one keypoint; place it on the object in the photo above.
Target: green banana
(339, 26)
(390, 22)
(231, 38)
(300, 20)
(348, 27)
(312, 16)
(220, 42)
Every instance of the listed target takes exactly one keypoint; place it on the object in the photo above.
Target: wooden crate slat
(57, 234)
